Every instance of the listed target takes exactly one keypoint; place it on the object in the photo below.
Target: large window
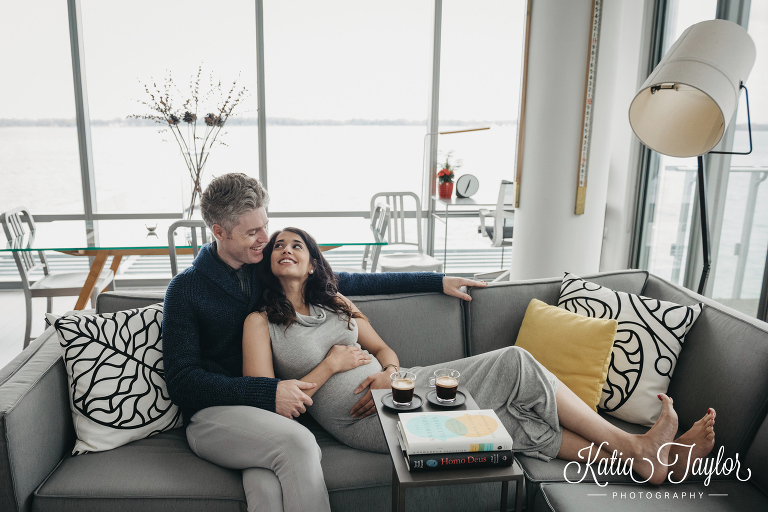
(741, 255)
(135, 170)
(347, 95)
(39, 159)
(669, 204)
(480, 64)
(737, 195)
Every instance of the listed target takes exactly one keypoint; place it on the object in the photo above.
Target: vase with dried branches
(170, 107)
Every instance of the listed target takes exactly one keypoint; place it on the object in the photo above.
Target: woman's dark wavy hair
(320, 289)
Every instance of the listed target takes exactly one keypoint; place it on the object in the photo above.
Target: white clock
(467, 185)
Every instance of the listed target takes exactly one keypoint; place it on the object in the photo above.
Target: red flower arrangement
(445, 176)
(446, 172)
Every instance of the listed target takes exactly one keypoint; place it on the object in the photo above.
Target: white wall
(631, 70)
(549, 237)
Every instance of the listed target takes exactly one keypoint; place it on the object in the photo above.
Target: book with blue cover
(453, 432)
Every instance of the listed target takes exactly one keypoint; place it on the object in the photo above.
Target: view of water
(311, 168)
(338, 168)
(674, 211)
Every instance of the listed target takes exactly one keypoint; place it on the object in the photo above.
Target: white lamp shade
(699, 79)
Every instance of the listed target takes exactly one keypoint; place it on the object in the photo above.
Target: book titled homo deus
(432, 461)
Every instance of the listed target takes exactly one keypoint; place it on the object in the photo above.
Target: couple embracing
(259, 331)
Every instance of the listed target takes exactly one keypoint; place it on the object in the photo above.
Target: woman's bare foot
(649, 445)
(702, 436)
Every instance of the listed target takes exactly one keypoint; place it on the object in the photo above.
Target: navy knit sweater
(203, 318)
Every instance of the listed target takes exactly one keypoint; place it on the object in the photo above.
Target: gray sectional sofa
(724, 365)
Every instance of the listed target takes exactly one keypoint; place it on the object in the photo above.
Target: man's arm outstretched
(403, 282)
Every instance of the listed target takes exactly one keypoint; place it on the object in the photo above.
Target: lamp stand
(704, 217)
(703, 198)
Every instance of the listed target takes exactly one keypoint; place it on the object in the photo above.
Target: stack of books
(453, 439)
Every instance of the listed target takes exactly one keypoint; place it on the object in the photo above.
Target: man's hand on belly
(365, 406)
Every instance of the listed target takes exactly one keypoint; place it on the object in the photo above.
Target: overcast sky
(330, 59)
(335, 59)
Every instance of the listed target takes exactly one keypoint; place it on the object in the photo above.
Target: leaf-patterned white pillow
(117, 389)
(648, 341)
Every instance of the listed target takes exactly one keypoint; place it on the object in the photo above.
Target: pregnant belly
(335, 398)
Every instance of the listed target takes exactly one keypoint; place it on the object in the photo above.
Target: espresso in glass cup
(446, 383)
(402, 387)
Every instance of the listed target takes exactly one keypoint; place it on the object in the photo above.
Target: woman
(306, 330)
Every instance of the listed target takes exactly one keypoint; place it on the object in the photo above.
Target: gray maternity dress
(509, 381)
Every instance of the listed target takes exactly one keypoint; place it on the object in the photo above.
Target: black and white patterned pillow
(114, 366)
(648, 342)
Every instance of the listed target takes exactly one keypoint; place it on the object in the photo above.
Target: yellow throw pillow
(577, 349)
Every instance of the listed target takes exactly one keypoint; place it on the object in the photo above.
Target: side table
(403, 479)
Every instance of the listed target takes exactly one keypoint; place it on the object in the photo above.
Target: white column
(549, 237)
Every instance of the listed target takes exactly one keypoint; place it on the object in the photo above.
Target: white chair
(406, 261)
(19, 227)
(379, 224)
(501, 231)
(194, 226)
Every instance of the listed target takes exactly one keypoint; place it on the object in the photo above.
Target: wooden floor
(13, 318)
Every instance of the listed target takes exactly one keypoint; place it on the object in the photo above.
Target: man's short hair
(229, 196)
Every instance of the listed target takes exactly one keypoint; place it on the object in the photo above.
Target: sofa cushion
(756, 458)
(723, 344)
(422, 328)
(115, 369)
(112, 302)
(496, 312)
(158, 473)
(648, 342)
(720, 496)
(573, 347)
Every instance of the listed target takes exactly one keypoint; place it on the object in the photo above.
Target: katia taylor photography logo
(598, 468)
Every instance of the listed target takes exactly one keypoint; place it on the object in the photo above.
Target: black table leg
(504, 492)
(519, 486)
(398, 493)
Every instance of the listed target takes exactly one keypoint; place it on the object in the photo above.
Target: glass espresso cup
(402, 387)
(446, 383)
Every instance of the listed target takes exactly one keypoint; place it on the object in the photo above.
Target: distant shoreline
(273, 121)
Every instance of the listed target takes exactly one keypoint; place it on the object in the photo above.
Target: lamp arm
(749, 127)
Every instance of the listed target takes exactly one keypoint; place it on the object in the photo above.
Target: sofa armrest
(36, 429)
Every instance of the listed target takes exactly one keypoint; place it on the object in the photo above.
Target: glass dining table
(117, 238)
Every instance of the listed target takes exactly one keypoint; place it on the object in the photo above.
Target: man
(241, 422)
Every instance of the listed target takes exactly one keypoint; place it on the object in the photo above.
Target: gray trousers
(279, 458)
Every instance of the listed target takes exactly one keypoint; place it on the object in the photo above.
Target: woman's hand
(365, 406)
(342, 358)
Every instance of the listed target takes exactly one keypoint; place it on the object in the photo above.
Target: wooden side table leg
(504, 492)
(93, 276)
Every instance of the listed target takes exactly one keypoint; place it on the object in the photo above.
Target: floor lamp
(685, 105)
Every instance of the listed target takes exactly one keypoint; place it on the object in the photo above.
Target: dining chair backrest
(397, 233)
(379, 223)
(19, 227)
(503, 208)
(194, 226)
